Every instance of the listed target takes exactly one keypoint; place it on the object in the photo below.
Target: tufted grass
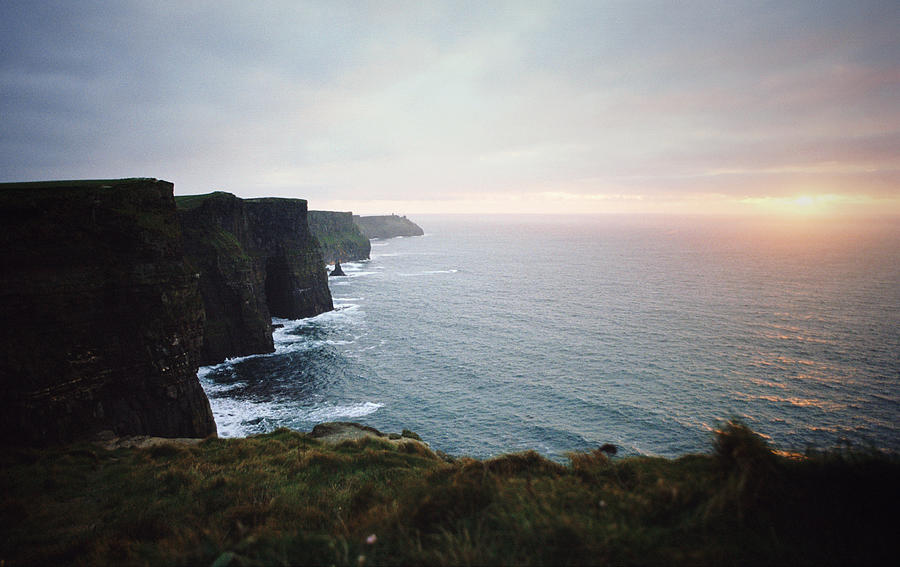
(286, 499)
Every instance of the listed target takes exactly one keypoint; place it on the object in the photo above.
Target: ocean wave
(205, 371)
(218, 388)
(240, 418)
(330, 413)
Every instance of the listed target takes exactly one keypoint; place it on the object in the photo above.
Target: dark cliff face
(218, 241)
(256, 258)
(101, 315)
(387, 226)
(339, 237)
(296, 280)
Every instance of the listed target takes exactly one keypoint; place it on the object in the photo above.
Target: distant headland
(387, 226)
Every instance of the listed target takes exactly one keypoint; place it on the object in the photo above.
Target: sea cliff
(217, 239)
(256, 258)
(296, 280)
(387, 226)
(102, 318)
(339, 237)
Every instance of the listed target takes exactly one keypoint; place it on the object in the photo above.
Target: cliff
(256, 258)
(387, 226)
(217, 241)
(339, 237)
(296, 280)
(101, 314)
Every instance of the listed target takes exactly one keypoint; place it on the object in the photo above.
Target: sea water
(498, 334)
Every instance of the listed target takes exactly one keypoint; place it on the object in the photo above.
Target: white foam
(239, 418)
(215, 388)
(232, 415)
(331, 413)
(204, 371)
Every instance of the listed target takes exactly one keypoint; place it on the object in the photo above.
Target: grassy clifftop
(286, 498)
(387, 226)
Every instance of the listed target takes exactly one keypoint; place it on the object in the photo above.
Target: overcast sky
(466, 106)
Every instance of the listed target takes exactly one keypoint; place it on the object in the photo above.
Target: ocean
(496, 334)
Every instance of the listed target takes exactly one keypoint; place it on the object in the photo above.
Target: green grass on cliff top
(286, 499)
(187, 202)
(74, 183)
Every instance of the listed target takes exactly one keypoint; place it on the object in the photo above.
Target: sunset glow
(785, 109)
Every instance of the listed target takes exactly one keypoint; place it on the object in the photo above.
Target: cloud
(429, 101)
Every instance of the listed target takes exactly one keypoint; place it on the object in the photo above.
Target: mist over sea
(498, 334)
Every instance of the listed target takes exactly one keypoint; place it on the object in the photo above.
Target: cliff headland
(111, 299)
(256, 259)
(102, 316)
(387, 226)
(339, 237)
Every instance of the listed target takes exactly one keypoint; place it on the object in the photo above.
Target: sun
(804, 204)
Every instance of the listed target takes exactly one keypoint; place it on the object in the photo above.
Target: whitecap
(330, 413)
(239, 418)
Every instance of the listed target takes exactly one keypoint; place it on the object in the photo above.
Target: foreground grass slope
(285, 498)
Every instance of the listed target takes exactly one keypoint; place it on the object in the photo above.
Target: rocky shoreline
(114, 292)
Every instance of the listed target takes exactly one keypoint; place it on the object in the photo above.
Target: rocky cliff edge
(256, 258)
(102, 317)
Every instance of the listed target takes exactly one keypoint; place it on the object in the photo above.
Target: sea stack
(337, 271)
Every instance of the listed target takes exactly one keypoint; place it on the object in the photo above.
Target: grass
(74, 183)
(285, 498)
(188, 202)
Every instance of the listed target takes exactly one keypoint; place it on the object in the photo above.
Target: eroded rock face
(256, 258)
(218, 241)
(387, 226)
(339, 237)
(101, 315)
(296, 280)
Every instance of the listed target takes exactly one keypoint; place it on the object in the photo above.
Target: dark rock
(337, 271)
(256, 259)
(609, 449)
(387, 226)
(217, 240)
(101, 315)
(339, 237)
(411, 434)
(296, 280)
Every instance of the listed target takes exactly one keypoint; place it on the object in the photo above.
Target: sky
(719, 107)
